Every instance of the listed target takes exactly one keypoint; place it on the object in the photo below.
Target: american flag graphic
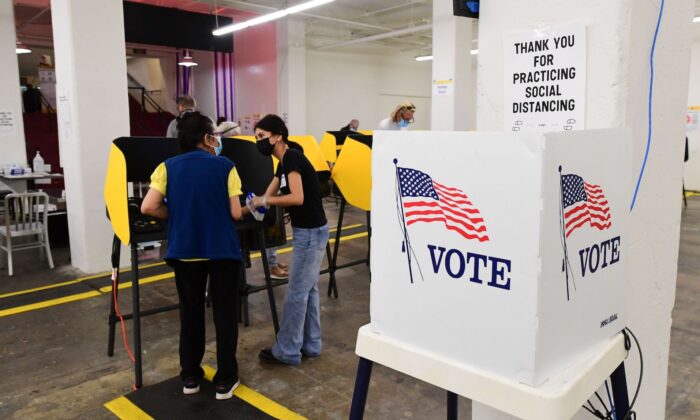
(584, 205)
(426, 200)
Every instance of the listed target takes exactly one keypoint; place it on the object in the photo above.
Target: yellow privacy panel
(328, 147)
(312, 151)
(352, 173)
(115, 194)
(247, 138)
(366, 132)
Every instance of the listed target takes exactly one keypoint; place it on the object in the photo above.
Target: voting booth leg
(136, 312)
(332, 286)
(268, 279)
(116, 254)
(619, 390)
(452, 411)
(359, 396)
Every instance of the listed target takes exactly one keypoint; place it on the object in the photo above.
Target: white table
(18, 183)
(558, 398)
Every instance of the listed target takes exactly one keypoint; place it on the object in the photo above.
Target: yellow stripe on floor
(126, 285)
(122, 270)
(257, 400)
(125, 409)
(48, 303)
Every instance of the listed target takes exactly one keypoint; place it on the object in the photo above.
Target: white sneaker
(224, 391)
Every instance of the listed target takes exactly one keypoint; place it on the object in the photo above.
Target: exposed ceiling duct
(378, 37)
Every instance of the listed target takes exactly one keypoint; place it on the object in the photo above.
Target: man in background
(352, 126)
(185, 104)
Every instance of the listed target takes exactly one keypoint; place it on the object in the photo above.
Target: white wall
(342, 86)
(619, 36)
(149, 73)
(204, 83)
(692, 167)
(12, 148)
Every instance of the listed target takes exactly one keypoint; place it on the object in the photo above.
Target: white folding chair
(26, 215)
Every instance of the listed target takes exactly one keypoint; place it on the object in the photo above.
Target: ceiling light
(424, 58)
(22, 49)
(474, 52)
(269, 17)
(187, 60)
(696, 19)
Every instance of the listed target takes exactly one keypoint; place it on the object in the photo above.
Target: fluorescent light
(696, 19)
(305, 6)
(424, 58)
(474, 52)
(269, 17)
(22, 49)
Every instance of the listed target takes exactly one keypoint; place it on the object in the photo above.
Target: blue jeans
(300, 331)
(271, 257)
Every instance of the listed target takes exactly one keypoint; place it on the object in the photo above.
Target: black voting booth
(133, 159)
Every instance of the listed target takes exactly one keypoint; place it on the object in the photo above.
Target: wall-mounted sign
(545, 79)
(443, 87)
(7, 123)
(692, 118)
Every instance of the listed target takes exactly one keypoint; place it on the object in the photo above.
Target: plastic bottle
(38, 163)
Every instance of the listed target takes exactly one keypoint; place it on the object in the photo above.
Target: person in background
(300, 329)
(32, 99)
(228, 128)
(278, 270)
(400, 118)
(202, 191)
(353, 125)
(185, 105)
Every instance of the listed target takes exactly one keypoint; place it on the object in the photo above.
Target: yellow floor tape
(145, 280)
(125, 409)
(122, 270)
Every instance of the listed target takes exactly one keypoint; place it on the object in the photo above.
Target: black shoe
(309, 355)
(190, 386)
(224, 391)
(266, 356)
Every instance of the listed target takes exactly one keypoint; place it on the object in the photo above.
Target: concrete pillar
(619, 42)
(12, 148)
(92, 111)
(291, 68)
(452, 66)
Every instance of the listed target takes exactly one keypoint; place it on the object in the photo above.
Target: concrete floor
(53, 361)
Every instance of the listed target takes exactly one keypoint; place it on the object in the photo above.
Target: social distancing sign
(545, 79)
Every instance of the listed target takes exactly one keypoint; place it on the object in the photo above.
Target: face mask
(264, 146)
(403, 123)
(217, 149)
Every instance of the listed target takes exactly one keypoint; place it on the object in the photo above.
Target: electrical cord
(610, 414)
(651, 91)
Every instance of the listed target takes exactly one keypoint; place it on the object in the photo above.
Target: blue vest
(199, 211)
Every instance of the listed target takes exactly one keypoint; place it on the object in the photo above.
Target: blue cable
(651, 91)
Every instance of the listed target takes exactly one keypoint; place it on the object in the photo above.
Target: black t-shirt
(310, 214)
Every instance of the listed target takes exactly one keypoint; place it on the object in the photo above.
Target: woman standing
(300, 330)
(202, 192)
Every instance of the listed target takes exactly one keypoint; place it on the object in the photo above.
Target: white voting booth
(501, 253)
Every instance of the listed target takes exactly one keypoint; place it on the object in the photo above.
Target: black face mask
(264, 146)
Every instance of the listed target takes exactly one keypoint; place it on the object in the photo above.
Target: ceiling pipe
(377, 37)
(389, 9)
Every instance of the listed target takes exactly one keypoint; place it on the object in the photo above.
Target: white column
(291, 68)
(92, 111)
(12, 148)
(452, 63)
(619, 42)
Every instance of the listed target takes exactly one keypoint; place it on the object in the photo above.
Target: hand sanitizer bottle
(38, 163)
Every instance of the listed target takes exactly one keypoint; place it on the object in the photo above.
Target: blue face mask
(403, 123)
(217, 149)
